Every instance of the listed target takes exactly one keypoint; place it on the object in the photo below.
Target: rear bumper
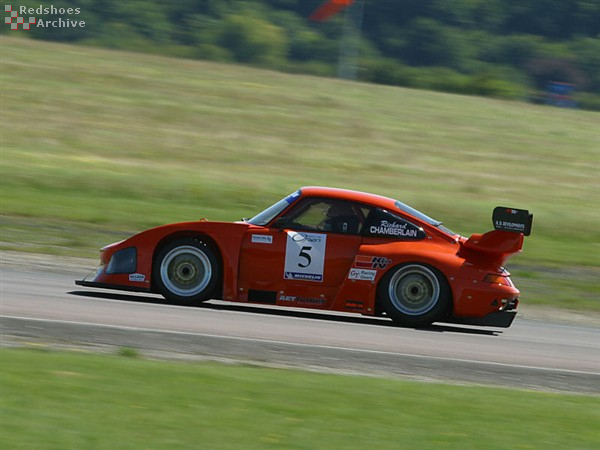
(483, 300)
(500, 319)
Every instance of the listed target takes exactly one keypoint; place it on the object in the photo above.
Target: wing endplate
(511, 219)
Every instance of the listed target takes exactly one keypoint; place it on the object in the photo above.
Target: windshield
(273, 211)
(419, 215)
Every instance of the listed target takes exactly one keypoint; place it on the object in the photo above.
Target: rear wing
(510, 227)
(510, 219)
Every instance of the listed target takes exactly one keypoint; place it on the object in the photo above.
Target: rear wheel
(414, 294)
(186, 271)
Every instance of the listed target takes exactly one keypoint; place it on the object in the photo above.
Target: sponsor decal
(354, 305)
(137, 277)
(388, 228)
(262, 239)
(371, 262)
(303, 276)
(510, 225)
(292, 197)
(362, 274)
(304, 256)
(304, 301)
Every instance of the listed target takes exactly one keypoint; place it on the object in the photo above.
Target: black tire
(414, 294)
(186, 272)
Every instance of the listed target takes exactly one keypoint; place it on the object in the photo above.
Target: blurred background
(517, 49)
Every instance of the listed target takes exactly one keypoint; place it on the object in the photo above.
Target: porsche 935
(329, 249)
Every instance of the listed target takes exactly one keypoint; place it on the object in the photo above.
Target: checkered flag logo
(14, 20)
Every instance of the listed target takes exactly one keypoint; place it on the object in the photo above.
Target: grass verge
(67, 400)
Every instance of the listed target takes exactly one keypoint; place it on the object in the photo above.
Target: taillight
(494, 278)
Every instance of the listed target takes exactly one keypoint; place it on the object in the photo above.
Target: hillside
(512, 49)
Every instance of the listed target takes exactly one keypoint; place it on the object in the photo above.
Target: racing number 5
(304, 254)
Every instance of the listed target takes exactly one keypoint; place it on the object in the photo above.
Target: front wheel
(414, 294)
(186, 272)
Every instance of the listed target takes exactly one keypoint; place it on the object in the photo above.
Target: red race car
(329, 249)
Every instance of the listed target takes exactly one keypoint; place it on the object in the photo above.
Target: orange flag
(330, 8)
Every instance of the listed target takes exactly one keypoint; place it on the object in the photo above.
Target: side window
(326, 215)
(384, 224)
(307, 215)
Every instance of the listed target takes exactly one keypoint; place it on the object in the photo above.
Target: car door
(306, 253)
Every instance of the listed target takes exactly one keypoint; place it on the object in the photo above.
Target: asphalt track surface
(46, 308)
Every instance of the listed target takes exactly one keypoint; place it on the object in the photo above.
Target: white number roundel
(304, 256)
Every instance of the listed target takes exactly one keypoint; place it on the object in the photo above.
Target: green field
(79, 401)
(97, 145)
